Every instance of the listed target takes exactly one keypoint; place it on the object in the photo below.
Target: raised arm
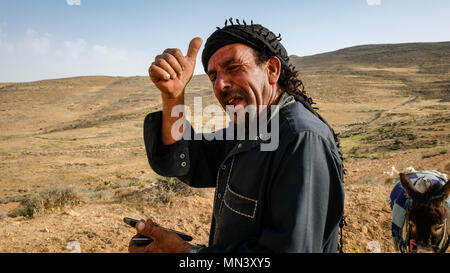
(171, 72)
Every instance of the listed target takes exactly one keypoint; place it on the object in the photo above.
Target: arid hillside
(73, 162)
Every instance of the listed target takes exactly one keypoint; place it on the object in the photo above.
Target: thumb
(147, 228)
(194, 47)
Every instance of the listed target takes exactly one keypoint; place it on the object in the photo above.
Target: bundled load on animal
(420, 206)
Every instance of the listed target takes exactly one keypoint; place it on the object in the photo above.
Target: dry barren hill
(71, 150)
(386, 95)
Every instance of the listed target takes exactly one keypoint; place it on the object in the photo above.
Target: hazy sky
(43, 39)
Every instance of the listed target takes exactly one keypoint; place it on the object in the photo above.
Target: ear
(409, 187)
(273, 66)
(445, 191)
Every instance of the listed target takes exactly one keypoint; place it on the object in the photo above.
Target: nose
(221, 83)
(422, 249)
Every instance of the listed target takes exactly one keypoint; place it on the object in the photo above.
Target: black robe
(287, 200)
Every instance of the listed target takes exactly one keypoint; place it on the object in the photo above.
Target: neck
(275, 97)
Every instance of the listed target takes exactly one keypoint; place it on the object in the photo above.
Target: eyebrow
(224, 64)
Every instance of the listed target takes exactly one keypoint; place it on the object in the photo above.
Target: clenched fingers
(166, 66)
(178, 55)
(163, 63)
(150, 248)
(157, 73)
(170, 63)
(171, 71)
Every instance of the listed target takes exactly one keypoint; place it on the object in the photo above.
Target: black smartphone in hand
(142, 240)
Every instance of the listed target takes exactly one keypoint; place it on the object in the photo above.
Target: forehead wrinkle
(238, 54)
(223, 64)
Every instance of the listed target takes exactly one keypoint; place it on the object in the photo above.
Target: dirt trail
(98, 227)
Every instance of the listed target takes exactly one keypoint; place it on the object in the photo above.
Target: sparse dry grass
(48, 200)
(156, 192)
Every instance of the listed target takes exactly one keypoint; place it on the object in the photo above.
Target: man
(289, 199)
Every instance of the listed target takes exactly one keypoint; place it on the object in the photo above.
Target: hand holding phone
(142, 240)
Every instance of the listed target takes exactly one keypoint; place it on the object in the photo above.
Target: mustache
(236, 92)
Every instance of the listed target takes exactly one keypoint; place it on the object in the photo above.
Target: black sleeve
(305, 201)
(195, 162)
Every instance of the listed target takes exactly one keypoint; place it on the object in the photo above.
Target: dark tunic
(287, 200)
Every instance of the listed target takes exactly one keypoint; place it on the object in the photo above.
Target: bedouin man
(288, 199)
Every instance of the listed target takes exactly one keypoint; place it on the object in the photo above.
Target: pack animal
(425, 226)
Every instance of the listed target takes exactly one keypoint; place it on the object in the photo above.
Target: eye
(438, 228)
(233, 67)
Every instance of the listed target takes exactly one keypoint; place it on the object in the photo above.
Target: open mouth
(234, 101)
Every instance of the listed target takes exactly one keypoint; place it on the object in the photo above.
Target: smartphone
(142, 240)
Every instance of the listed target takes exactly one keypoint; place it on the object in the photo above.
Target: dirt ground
(86, 132)
(98, 227)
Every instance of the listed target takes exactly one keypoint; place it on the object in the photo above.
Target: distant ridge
(424, 68)
(383, 55)
(433, 57)
(408, 63)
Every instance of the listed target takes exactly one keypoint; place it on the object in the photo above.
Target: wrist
(172, 97)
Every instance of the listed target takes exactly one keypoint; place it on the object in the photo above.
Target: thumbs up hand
(171, 71)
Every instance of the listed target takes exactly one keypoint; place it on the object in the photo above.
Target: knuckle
(169, 57)
(161, 63)
(172, 50)
(149, 226)
(152, 69)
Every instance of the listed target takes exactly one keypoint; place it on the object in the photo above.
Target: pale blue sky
(43, 39)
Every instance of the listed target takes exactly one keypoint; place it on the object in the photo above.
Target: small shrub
(442, 152)
(101, 187)
(398, 142)
(159, 191)
(98, 195)
(353, 150)
(115, 186)
(47, 200)
(10, 199)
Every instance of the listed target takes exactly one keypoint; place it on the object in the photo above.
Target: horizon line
(292, 55)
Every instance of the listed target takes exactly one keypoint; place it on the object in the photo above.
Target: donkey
(427, 219)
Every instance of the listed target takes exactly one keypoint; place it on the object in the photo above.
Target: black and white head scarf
(254, 35)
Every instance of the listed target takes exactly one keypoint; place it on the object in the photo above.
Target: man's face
(237, 79)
